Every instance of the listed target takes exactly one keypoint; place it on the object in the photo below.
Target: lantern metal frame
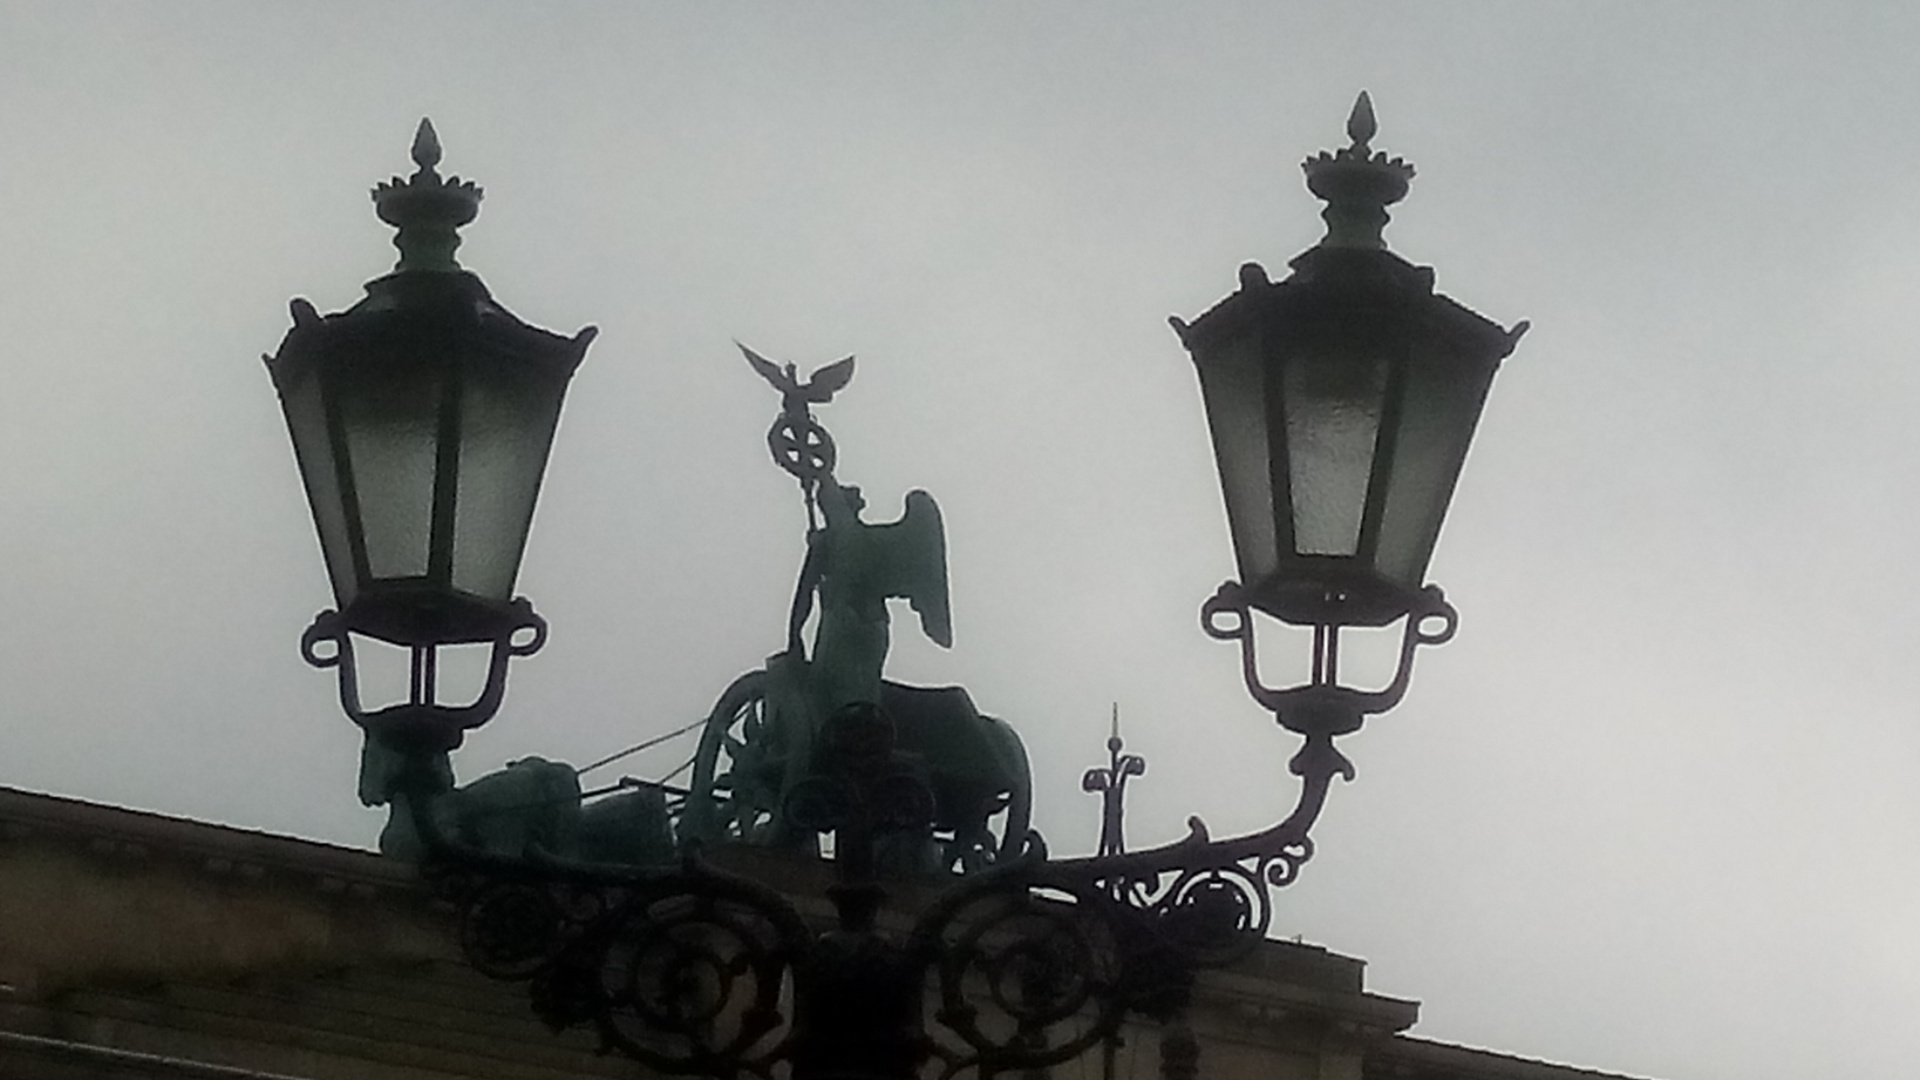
(1407, 370)
(1428, 363)
(428, 335)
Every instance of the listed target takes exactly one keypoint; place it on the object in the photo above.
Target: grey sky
(1653, 809)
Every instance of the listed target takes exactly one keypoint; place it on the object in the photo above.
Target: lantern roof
(426, 284)
(456, 303)
(1358, 183)
(1381, 273)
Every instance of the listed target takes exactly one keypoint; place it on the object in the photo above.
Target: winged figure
(856, 567)
(797, 398)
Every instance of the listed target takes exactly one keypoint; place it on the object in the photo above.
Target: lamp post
(1341, 402)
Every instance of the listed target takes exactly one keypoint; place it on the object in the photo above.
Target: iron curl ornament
(695, 970)
(681, 968)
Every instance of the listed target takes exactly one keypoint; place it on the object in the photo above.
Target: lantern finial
(426, 145)
(1361, 125)
(1357, 184)
(427, 209)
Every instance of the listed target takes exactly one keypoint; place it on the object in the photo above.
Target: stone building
(136, 946)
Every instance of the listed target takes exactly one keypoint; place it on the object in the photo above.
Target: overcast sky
(1652, 811)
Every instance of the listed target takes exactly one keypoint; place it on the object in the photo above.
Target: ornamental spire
(1110, 782)
(1357, 184)
(426, 145)
(427, 209)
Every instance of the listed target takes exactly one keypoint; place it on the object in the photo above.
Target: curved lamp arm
(1213, 896)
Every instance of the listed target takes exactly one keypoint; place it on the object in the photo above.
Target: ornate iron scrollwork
(681, 969)
(1029, 963)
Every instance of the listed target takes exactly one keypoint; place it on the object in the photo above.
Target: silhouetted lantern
(1341, 403)
(421, 419)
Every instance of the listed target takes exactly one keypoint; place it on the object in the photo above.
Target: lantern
(421, 419)
(1341, 403)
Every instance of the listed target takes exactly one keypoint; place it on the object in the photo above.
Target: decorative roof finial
(1361, 126)
(1357, 184)
(1111, 783)
(426, 209)
(426, 145)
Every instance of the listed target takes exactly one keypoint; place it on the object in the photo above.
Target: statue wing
(829, 380)
(768, 370)
(912, 562)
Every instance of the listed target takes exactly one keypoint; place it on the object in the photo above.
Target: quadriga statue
(759, 741)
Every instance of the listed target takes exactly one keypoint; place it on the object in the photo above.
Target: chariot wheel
(737, 771)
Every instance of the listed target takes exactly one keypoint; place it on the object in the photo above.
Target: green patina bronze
(760, 742)
(531, 804)
(855, 568)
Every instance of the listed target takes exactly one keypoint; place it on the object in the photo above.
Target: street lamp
(1341, 403)
(421, 419)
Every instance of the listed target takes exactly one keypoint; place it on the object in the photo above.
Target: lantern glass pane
(506, 427)
(313, 449)
(1233, 384)
(392, 426)
(1333, 406)
(1443, 398)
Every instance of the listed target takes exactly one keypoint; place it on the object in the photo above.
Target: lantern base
(416, 612)
(1323, 707)
(1332, 596)
(422, 723)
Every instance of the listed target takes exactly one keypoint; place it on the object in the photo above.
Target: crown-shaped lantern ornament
(1357, 184)
(427, 209)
